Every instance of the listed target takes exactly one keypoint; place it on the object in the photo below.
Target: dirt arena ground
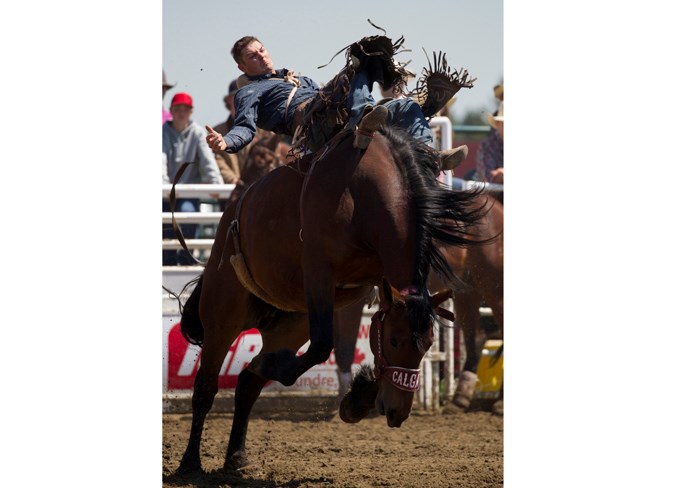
(460, 450)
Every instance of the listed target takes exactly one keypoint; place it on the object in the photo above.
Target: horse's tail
(191, 325)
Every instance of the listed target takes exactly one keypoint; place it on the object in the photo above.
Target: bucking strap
(245, 278)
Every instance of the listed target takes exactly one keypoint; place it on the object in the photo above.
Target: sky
(197, 37)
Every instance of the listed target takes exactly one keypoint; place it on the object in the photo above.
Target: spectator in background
(183, 140)
(490, 152)
(166, 115)
(230, 165)
(229, 102)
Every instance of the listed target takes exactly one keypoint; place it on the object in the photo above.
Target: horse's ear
(385, 293)
(389, 295)
(437, 299)
(440, 297)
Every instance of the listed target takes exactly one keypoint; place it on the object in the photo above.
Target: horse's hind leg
(249, 386)
(285, 331)
(466, 308)
(222, 317)
(204, 391)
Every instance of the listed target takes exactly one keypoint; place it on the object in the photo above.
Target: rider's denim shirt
(262, 103)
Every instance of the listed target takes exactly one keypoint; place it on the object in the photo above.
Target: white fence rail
(192, 217)
(200, 244)
(198, 190)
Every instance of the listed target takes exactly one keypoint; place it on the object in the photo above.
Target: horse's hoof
(461, 401)
(452, 409)
(235, 461)
(343, 413)
(189, 465)
(497, 408)
(465, 389)
(349, 413)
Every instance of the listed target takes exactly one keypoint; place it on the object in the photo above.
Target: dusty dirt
(461, 450)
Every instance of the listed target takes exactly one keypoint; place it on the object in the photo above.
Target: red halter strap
(403, 378)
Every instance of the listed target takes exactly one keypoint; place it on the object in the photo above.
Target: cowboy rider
(270, 98)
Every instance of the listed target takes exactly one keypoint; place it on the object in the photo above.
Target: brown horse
(314, 236)
(481, 269)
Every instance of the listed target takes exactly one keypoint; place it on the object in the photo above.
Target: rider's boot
(372, 120)
(374, 55)
(451, 158)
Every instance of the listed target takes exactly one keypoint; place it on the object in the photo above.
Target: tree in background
(472, 117)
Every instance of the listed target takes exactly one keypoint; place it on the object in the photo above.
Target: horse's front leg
(284, 365)
(289, 330)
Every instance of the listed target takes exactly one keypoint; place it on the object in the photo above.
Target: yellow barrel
(489, 378)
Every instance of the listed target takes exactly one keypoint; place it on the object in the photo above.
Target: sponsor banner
(181, 360)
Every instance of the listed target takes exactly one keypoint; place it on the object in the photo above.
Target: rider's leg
(359, 98)
(407, 114)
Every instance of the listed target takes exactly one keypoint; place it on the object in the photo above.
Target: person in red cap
(183, 140)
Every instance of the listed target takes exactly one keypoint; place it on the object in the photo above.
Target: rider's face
(256, 60)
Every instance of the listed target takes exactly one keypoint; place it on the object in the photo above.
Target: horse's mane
(443, 217)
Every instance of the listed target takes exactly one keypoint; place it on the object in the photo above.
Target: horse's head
(401, 333)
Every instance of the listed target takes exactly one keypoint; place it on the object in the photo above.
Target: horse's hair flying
(443, 217)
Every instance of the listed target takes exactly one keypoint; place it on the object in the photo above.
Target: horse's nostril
(394, 420)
